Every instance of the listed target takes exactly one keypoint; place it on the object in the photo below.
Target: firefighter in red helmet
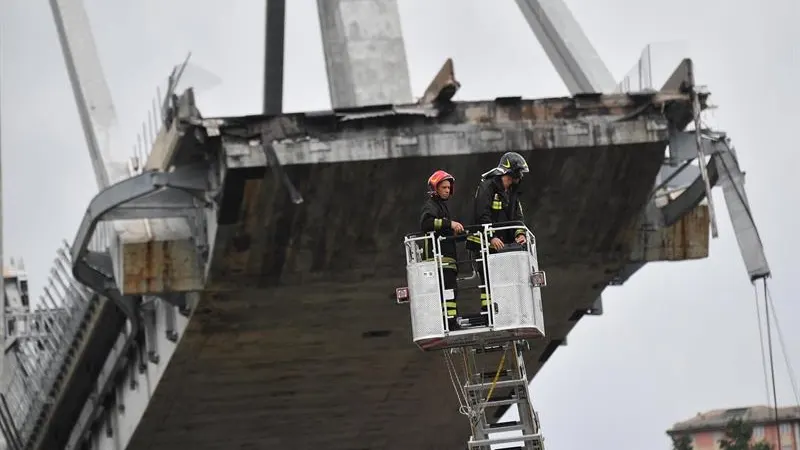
(436, 217)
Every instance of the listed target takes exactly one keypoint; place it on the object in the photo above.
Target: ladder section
(494, 377)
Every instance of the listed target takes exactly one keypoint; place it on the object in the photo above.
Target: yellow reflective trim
(484, 296)
(474, 238)
(484, 302)
(451, 313)
(437, 224)
(450, 305)
(497, 205)
(447, 263)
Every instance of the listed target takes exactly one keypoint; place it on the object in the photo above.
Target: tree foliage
(738, 435)
(681, 442)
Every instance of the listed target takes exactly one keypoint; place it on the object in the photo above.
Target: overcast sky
(677, 339)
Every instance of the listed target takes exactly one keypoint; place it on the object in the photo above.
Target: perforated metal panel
(517, 304)
(427, 319)
(537, 291)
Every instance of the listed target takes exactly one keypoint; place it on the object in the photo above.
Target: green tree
(681, 442)
(738, 435)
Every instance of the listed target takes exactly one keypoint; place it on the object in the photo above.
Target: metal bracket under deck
(722, 170)
(180, 193)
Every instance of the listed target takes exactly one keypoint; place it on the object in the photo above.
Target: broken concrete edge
(450, 140)
(612, 106)
(683, 81)
(618, 106)
(469, 127)
(161, 149)
(443, 86)
(680, 80)
(165, 147)
(584, 111)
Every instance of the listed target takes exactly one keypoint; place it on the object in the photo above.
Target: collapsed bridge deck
(291, 338)
(295, 341)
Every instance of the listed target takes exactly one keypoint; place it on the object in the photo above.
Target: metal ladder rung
(490, 375)
(503, 427)
(505, 440)
(502, 402)
(498, 385)
(492, 349)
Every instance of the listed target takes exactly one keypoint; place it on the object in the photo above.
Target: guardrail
(44, 339)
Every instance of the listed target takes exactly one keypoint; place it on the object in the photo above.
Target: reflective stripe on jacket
(435, 216)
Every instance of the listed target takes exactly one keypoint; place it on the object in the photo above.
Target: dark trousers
(485, 300)
(450, 282)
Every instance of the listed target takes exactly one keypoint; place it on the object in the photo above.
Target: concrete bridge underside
(296, 343)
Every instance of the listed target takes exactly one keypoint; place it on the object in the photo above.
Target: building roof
(13, 270)
(717, 418)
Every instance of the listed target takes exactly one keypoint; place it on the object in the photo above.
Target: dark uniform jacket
(436, 217)
(493, 204)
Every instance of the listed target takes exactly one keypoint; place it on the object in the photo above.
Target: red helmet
(438, 177)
